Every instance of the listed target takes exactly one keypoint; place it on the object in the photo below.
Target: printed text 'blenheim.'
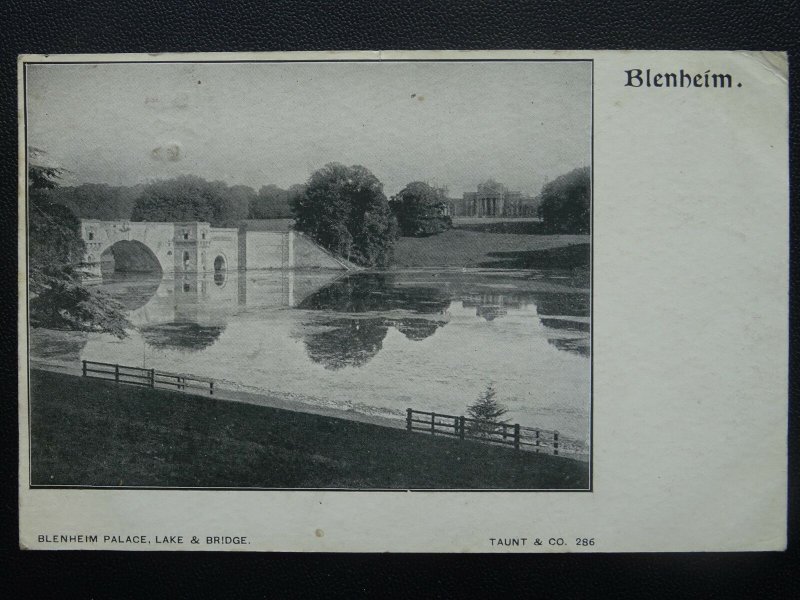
(677, 79)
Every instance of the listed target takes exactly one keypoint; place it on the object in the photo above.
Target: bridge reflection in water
(210, 299)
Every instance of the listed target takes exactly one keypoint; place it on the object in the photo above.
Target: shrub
(420, 210)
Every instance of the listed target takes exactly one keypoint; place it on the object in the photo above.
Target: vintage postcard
(504, 301)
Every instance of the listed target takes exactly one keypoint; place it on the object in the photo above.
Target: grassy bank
(564, 257)
(486, 249)
(91, 432)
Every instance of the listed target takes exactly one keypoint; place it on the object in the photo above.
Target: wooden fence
(146, 377)
(506, 434)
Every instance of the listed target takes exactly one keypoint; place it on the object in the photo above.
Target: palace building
(493, 199)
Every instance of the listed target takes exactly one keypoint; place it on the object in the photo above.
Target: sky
(451, 124)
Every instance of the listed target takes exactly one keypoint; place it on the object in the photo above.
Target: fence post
(516, 436)
(116, 373)
(555, 443)
(408, 419)
(211, 388)
(433, 423)
(152, 378)
(461, 427)
(84, 368)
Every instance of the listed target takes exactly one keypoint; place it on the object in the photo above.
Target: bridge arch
(127, 256)
(127, 246)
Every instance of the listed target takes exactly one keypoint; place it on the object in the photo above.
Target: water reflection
(417, 329)
(133, 290)
(572, 304)
(337, 341)
(574, 345)
(370, 292)
(192, 311)
(180, 335)
(347, 342)
(566, 323)
(374, 342)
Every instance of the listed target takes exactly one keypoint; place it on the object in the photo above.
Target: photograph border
(24, 61)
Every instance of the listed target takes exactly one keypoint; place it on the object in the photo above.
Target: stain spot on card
(171, 152)
(180, 101)
(319, 533)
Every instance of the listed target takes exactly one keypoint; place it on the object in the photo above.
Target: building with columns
(493, 199)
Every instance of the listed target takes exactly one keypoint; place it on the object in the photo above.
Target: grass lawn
(91, 432)
(485, 249)
(563, 257)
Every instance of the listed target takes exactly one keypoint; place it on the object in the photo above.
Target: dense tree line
(566, 203)
(96, 200)
(418, 209)
(273, 202)
(191, 198)
(187, 197)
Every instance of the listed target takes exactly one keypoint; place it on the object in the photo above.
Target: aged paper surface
(404, 301)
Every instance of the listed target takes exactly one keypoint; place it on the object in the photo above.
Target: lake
(372, 342)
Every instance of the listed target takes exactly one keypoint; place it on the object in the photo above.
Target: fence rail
(530, 439)
(146, 377)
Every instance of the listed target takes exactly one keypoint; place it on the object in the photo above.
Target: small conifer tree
(487, 412)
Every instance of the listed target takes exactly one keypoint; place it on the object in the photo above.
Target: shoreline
(223, 391)
(227, 391)
(87, 432)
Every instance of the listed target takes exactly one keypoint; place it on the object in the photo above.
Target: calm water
(372, 342)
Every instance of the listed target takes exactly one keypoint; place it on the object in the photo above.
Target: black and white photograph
(294, 275)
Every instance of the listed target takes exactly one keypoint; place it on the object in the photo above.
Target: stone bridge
(196, 247)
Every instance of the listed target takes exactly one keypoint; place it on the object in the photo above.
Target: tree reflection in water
(373, 292)
(353, 341)
(571, 304)
(579, 346)
(350, 342)
(417, 329)
(340, 340)
(180, 335)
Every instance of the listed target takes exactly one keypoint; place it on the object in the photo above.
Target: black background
(190, 26)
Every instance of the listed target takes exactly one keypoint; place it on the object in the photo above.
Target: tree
(58, 299)
(192, 198)
(565, 205)
(53, 233)
(234, 206)
(420, 210)
(42, 176)
(272, 202)
(486, 412)
(345, 210)
(96, 200)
